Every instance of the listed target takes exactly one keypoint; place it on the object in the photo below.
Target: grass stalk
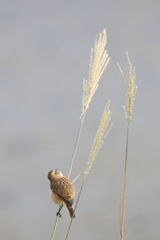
(56, 223)
(131, 89)
(123, 196)
(75, 147)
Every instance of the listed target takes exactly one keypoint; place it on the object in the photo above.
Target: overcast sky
(44, 54)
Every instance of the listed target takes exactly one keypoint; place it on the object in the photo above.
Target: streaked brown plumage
(61, 190)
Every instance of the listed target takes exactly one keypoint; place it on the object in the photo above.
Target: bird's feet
(58, 214)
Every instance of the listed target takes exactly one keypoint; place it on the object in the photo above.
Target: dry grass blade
(77, 177)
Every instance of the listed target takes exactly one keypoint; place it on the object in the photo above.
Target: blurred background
(45, 51)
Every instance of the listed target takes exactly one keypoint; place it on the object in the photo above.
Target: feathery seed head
(102, 132)
(98, 62)
(131, 89)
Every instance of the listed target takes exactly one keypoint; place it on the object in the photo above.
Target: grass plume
(131, 88)
(102, 132)
(98, 62)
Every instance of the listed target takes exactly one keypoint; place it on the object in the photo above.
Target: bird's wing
(64, 189)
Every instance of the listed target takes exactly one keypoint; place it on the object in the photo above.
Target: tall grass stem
(75, 147)
(131, 89)
(123, 197)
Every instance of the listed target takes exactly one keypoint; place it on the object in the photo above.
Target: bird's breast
(55, 198)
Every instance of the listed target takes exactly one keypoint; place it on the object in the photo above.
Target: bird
(61, 191)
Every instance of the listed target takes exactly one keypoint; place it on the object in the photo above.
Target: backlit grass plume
(102, 132)
(98, 62)
(131, 88)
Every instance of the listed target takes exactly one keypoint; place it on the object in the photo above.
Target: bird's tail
(71, 211)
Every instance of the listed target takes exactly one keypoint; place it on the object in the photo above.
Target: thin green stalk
(122, 203)
(56, 222)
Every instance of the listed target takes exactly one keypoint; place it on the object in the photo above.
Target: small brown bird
(61, 190)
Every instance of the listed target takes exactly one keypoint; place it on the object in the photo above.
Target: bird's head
(54, 174)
